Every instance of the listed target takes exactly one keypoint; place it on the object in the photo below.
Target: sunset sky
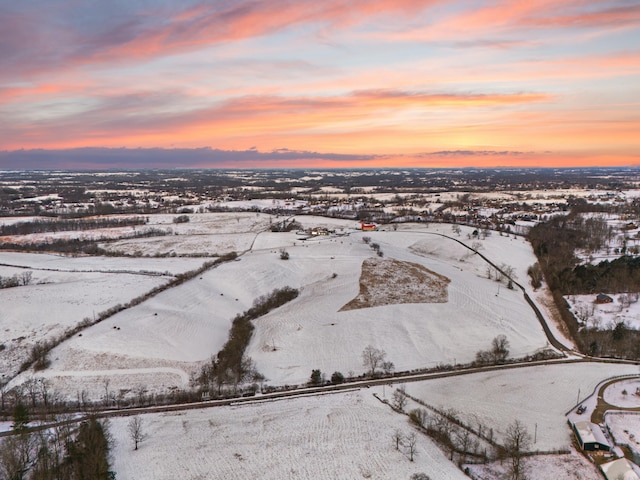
(319, 83)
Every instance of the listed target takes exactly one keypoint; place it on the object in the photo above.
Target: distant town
(399, 323)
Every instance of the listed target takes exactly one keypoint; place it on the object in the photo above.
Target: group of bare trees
(450, 433)
(468, 444)
(407, 442)
(497, 354)
(69, 224)
(502, 273)
(24, 278)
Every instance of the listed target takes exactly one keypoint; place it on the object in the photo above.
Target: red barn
(368, 227)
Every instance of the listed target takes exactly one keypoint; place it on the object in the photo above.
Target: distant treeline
(76, 245)
(619, 275)
(70, 225)
(554, 243)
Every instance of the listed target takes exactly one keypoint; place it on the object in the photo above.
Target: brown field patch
(390, 281)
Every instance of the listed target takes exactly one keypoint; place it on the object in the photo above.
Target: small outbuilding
(619, 469)
(590, 437)
(603, 298)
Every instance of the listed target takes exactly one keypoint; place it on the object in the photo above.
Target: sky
(308, 83)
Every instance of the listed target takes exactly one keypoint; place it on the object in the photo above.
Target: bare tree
(136, 432)
(31, 385)
(399, 399)
(397, 438)
(3, 391)
(372, 358)
(535, 272)
(464, 442)
(25, 278)
(584, 312)
(105, 382)
(517, 441)
(45, 390)
(509, 273)
(141, 393)
(500, 348)
(410, 442)
(489, 271)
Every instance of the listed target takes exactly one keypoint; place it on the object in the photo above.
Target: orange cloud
(149, 118)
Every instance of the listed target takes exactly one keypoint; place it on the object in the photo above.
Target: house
(619, 469)
(603, 298)
(590, 437)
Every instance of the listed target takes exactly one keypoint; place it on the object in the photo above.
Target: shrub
(418, 416)
(316, 377)
(181, 219)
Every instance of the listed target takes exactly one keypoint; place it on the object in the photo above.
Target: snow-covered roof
(620, 468)
(591, 433)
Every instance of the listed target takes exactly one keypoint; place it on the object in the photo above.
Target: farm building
(368, 227)
(591, 437)
(619, 469)
(603, 298)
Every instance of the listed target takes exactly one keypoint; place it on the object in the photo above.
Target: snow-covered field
(348, 435)
(204, 234)
(624, 394)
(573, 466)
(311, 332)
(58, 301)
(539, 397)
(64, 290)
(66, 263)
(335, 436)
(184, 326)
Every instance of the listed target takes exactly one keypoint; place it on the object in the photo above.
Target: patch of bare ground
(390, 281)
